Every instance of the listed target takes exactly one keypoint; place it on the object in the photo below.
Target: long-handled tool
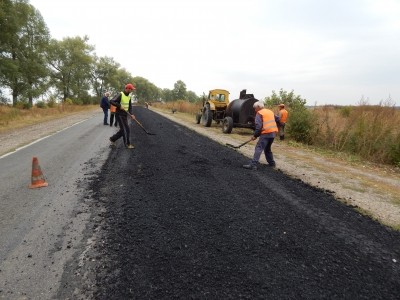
(237, 147)
(141, 126)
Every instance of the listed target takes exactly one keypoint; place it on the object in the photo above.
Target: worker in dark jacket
(124, 109)
(265, 130)
(105, 105)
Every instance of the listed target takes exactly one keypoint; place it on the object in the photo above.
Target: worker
(105, 105)
(265, 130)
(113, 109)
(124, 109)
(283, 116)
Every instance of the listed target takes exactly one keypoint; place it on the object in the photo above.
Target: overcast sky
(327, 51)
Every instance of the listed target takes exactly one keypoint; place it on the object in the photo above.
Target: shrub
(289, 99)
(77, 101)
(23, 105)
(51, 102)
(345, 111)
(40, 104)
(301, 125)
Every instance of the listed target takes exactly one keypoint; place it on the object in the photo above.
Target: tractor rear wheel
(227, 125)
(207, 117)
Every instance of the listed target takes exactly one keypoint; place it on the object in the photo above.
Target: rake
(237, 147)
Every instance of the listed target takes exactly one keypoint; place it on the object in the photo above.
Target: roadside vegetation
(19, 117)
(362, 132)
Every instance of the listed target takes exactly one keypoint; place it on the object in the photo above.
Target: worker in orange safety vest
(265, 130)
(113, 109)
(283, 117)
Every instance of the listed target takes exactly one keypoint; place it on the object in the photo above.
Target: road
(37, 229)
(177, 217)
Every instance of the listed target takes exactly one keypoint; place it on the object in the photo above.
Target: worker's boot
(250, 166)
(270, 159)
(282, 137)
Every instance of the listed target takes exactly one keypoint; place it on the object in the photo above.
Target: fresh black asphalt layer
(179, 218)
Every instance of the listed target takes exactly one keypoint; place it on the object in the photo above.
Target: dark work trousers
(105, 110)
(112, 115)
(264, 143)
(281, 128)
(124, 130)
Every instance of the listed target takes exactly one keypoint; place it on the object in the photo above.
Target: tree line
(33, 65)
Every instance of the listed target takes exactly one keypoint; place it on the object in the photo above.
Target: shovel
(237, 147)
(141, 126)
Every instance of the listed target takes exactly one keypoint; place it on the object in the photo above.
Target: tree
(145, 90)
(70, 61)
(35, 38)
(289, 99)
(23, 38)
(119, 80)
(8, 31)
(104, 72)
(179, 91)
(192, 97)
(167, 95)
(8, 26)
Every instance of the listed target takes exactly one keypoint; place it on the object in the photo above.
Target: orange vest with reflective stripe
(113, 108)
(268, 119)
(283, 114)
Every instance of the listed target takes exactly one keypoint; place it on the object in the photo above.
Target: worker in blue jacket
(105, 105)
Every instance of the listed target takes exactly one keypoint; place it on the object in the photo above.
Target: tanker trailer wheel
(207, 117)
(227, 125)
(198, 118)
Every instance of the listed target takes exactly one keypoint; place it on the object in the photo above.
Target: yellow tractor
(238, 113)
(213, 107)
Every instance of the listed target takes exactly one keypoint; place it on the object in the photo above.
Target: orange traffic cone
(37, 176)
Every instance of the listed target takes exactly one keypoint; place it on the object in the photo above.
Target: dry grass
(181, 106)
(14, 118)
(372, 132)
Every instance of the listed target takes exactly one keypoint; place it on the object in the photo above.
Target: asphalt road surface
(178, 218)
